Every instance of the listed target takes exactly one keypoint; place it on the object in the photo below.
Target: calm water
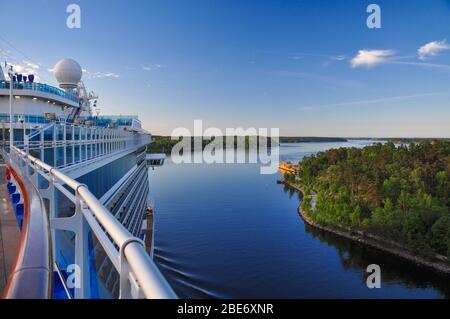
(225, 231)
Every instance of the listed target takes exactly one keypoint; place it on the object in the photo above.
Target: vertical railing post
(97, 142)
(106, 140)
(90, 142)
(113, 135)
(128, 285)
(50, 194)
(25, 138)
(80, 142)
(65, 143)
(72, 142)
(116, 141)
(54, 146)
(3, 134)
(42, 141)
(85, 143)
(83, 288)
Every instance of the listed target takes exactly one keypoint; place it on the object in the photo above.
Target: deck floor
(9, 231)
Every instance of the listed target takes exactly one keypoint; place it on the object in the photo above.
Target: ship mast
(11, 114)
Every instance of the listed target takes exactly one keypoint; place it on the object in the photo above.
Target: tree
(402, 193)
(441, 236)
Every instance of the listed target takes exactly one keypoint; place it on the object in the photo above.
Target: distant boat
(288, 167)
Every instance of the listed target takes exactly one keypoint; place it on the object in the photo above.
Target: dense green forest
(401, 193)
(310, 139)
(161, 144)
(164, 144)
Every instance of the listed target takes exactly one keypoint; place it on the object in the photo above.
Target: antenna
(11, 112)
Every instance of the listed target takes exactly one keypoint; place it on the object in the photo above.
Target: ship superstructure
(78, 185)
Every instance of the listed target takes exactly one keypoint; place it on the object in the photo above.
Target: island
(164, 144)
(393, 198)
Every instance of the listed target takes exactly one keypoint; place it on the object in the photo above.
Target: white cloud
(433, 48)
(339, 57)
(443, 67)
(152, 67)
(93, 75)
(22, 66)
(370, 57)
(31, 65)
(105, 75)
(373, 101)
(26, 68)
(17, 67)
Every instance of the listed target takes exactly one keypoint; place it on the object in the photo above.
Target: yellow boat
(288, 167)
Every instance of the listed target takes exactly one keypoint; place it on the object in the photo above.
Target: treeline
(161, 144)
(164, 144)
(310, 139)
(401, 193)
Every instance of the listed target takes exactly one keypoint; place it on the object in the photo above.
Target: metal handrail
(32, 273)
(40, 87)
(142, 268)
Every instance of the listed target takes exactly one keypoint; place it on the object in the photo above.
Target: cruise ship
(76, 218)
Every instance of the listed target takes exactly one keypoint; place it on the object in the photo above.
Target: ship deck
(9, 231)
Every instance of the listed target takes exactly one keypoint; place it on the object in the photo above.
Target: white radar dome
(68, 73)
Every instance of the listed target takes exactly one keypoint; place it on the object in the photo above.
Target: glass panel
(105, 281)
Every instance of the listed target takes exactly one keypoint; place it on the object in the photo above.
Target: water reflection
(356, 257)
(226, 231)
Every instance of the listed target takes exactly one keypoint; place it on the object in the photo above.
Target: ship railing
(90, 141)
(79, 143)
(139, 275)
(36, 132)
(32, 273)
(40, 87)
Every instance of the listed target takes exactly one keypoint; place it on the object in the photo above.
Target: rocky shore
(437, 263)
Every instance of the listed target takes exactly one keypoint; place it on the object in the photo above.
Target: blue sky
(307, 67)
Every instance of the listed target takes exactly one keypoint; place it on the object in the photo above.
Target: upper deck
(40, 90)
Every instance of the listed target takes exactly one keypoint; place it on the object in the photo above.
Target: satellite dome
(68, 73)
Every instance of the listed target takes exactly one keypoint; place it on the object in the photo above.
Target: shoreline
(374, 241)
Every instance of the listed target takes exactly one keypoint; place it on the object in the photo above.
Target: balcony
(39, 87)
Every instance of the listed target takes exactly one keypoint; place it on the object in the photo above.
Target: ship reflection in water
(225, 231)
